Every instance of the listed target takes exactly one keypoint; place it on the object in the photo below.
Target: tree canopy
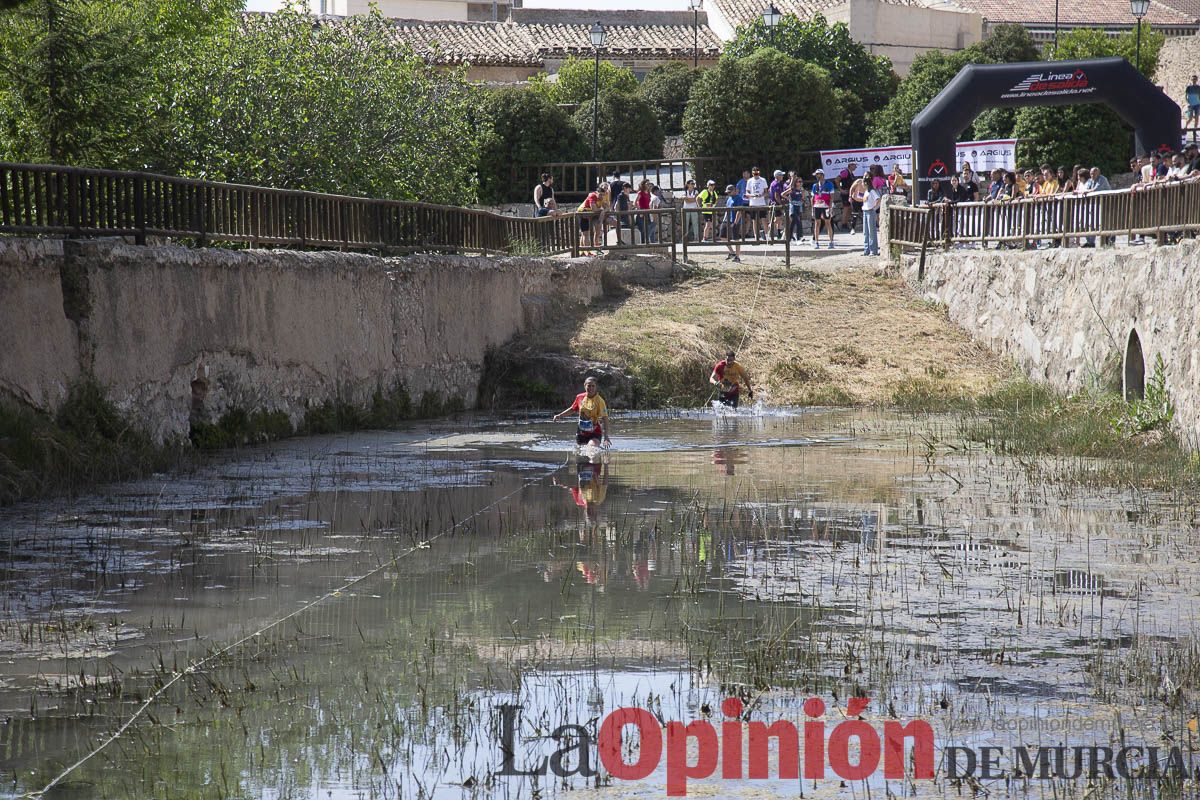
(628, 128)
(768, 106)
(667, 88)
(196, 88)
(78, 77)
(932, 70)
(849, 63)
(520, 127)
(575, 81)
(1090, 134)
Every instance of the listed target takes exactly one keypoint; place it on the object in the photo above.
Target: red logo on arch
(937, 168)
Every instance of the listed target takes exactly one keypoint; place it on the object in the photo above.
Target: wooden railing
(73, 201)
(1158, 210)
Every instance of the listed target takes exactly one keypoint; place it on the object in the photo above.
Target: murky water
(343, 617)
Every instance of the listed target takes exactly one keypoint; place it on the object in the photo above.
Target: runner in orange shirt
(593, 414)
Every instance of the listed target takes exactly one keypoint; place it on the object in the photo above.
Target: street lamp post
(695, 4)
(598, 35)
(771, 17)
(1056, 28)
(1138, 8)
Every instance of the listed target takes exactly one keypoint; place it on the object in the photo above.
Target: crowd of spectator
(761, 210)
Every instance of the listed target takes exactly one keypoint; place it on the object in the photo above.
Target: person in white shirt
(756, 200)
(691, 211)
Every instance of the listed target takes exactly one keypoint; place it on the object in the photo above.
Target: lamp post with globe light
(771, 17)
(695, 4)
(598, 35)
(1139, 9)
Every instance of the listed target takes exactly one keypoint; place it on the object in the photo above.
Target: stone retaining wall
(1079, 317)
(175, 334)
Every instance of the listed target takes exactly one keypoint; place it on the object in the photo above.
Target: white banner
(982, 156)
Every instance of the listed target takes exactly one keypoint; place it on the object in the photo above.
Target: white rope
(191, 669)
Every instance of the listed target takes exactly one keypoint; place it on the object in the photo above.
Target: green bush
(849, 63)
(575, 81)
(666, 89)
(87, 441)
(628, 128)
(1092, 135)
(932, 70)
(520, 128)
(767, 107)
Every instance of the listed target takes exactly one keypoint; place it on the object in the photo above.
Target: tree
(1091, 43)
(928, 75)
(77, 76)
(1007, 44)
(280, 100)
(932, 70)
(628, 127)
(666, 89)
(768, 106)
(575, 81)
(521, 127)
(849, 63)
(1090, 134)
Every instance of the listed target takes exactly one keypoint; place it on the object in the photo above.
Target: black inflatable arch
(1153, 116)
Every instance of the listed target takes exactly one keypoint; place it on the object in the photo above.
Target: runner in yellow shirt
(728, 376)
(593, 414)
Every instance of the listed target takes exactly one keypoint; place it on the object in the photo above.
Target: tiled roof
(480, 43)
(625, 40)
(1081, 12)
(516, 43)
(739, 12)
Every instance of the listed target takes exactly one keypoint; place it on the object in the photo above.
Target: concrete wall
(272, 330)
(1066, 315)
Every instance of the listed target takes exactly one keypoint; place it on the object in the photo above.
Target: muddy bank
(829, 331)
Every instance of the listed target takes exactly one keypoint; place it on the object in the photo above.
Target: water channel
(345, 616)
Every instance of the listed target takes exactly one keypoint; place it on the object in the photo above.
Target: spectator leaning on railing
(755, 195)
(778, 204)
(794, 194)
(708, 199)
(543, 196)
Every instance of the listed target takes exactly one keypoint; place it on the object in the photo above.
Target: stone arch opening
(1134, 379)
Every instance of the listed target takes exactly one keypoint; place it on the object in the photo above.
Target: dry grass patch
(840, 337)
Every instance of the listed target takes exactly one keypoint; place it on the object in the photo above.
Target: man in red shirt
(728, 375)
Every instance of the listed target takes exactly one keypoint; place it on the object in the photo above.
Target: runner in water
(728, 376)
(593, 414)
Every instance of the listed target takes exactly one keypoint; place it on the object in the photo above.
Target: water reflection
(772, 555)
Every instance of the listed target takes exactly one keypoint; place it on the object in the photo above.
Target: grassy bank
(86, 442)
(840, 336)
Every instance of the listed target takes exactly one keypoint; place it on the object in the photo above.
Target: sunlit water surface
(458, 566)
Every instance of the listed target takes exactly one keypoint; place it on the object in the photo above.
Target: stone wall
(1075, 318)
(175, 333)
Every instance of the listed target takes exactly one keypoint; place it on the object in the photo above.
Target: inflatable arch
(1154, 117)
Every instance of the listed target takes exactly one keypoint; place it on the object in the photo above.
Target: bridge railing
(74, 201)
(1157, 210)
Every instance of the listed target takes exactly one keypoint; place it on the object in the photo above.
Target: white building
(459, 10)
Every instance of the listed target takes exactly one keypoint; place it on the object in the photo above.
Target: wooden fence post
(139, 209)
